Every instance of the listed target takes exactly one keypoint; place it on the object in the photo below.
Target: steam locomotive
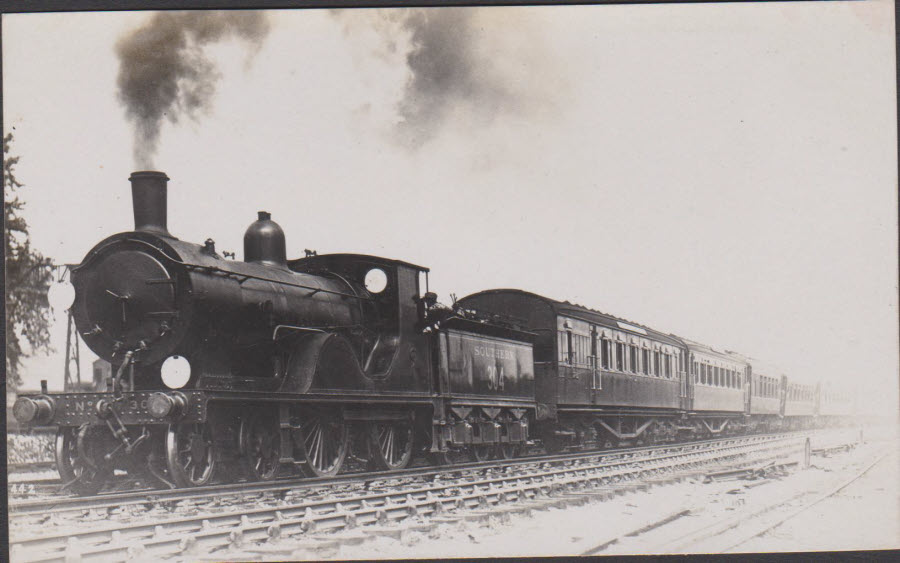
(233, 369)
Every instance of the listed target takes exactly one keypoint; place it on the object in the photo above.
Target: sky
(724, 172)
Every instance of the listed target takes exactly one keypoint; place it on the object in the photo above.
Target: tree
(28, 278)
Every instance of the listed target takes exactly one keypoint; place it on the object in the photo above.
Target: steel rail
(217, 529)
(807, 506)
(30, 466)
(692, 539)
(285, 486)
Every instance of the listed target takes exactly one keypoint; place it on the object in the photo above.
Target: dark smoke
(447, 71)
(163, 71)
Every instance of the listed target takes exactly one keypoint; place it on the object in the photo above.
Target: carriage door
(687, 382)
(596, 383)
(782, 395)
(748, 374)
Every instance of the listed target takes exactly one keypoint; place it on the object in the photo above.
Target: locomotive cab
(391, 348)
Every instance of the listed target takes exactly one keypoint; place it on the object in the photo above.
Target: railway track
(773, 523)
(30, 466)
(285, 487)
(275, 515)
(698, 527)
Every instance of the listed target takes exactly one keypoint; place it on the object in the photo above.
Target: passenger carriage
(718, 400)
(598, 377)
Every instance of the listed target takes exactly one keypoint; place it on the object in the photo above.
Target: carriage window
(656, 371)
(645, 361)
(620, 356)
(633, 359)
(570, 352)
(604, 353)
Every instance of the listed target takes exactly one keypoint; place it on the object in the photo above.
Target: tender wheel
(481, 452)
(441, 458)
(190, 454)
(508, 451)
(553, 444)
(390, 445)
(321, 441)
(260, 443)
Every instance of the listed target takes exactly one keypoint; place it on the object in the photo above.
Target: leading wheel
(390, 444)
(80, 458)
(190, 454)
(321, 441)
(260, 443)
(67, 462)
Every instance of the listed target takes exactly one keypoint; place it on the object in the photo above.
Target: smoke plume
(466, 66)
(448, 69)
(163, 71)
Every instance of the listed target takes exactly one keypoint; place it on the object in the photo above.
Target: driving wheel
(321, 441)
(260, 445)
(390, 444)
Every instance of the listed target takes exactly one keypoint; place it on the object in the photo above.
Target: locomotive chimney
(148, 198)
(264, 242)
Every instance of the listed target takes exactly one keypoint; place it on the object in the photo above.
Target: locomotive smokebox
(148, 198)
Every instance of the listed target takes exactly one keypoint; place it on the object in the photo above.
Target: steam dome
(264, 242)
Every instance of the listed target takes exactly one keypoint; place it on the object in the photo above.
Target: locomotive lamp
(61, 295)
(39, 410)
(175, 372)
